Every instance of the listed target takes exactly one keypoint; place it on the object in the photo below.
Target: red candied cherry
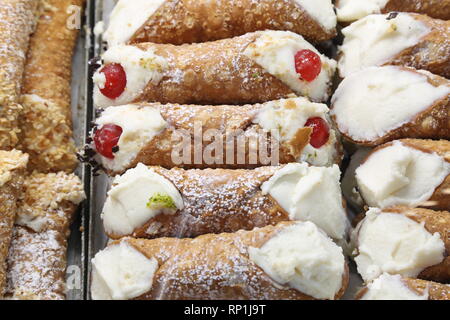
(106, 138)
(321, 131)
(116, 80)
(308, 64)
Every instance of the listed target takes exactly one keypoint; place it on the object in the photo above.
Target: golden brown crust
(432, 53)
(436, 291)
(439, 9)
(230, 124)
(12, 172)
(46, 124)
(189, 21)
(215, 201)
(195, 268)
(432, 123)
(37, 258)
(215, 72)
(16, 24)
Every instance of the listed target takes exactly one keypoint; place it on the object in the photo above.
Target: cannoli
(180, 135)
(37, 258)
(188, 21)
(12, 171)
(409, 172)
(290, 261)
(352, 10)
(395, 287)
(46, 122)
(380, 104)
(404, 39)
(399, 240)
(253, 68)
(150, 202)
(17, 21)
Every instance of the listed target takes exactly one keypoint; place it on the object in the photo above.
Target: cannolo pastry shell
(426, 256)
(252, 68)
(12, 171)
(404, 39)
(351, 10)
(37, 258)
(17, 20)
(425, 183)
(189, 21)
(46, 122)
(249, 136)
(390, 287)
(151, 202)
(408, 104)
(225, 266)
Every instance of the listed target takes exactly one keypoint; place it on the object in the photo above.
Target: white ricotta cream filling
(141, 67)
(127, 18)
(391, 287)
(374, 40)
(369, 104)
(129, 206)
(304, 258)
(400, 175)
(120, 272)
(393, 243)
(286, 117)
(352, 10)
(275, 52)
(310, 194)
(139, 124)
(320, 10)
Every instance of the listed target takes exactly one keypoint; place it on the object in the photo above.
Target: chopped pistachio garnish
(161, 201)
(150, 64)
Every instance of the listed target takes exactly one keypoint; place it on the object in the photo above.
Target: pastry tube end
(152, 202)
(189, 21)
(380, 104)
(253, 68)
(12, 172)
(352, 10)
(47, 136)
(17, 22)
(395, 287)
(37, 258)
(409, 172)
(405, 241)
(404, 39)
(46, 121)
(150, 134)
(312, 267)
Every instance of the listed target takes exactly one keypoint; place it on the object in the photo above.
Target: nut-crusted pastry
(290, 261)
(152, 202)
(412, 242)
(395, 287)
(12, 171)
(409, 172)
(253, 68)
(46, 122)
(37, 257)
(351, 10)
(188, 21)
(380, 104)
(282, 131)
(17, 20)
(404, 39)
